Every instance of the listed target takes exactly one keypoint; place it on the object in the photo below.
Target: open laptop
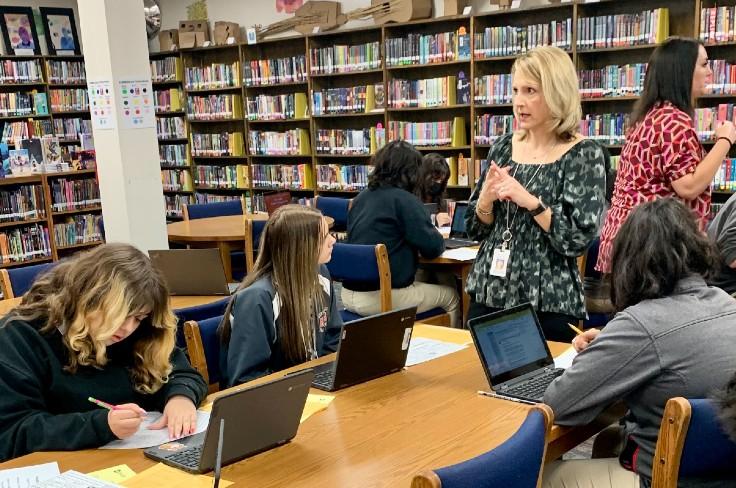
(192, 271)
(369, 348)
(514, 353)
(258, 418)
(458, 236)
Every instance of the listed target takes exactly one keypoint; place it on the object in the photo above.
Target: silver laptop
(192, 271)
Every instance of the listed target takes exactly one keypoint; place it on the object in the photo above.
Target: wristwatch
(540, 208)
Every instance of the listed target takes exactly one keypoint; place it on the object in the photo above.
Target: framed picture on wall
(60, 30)
(19, 31)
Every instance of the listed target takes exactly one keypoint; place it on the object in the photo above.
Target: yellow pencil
(577, 330)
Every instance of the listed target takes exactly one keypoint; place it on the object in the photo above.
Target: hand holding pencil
(124, 420)
(583, 338)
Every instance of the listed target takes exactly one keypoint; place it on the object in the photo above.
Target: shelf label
(467, 10)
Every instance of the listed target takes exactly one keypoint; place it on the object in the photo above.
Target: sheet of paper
(148, 438)
(115, 474)
(564, 360)
(28, 475)
(461, 254)
(162, 476)
(422, 350)
(315, 403)
(74, 479)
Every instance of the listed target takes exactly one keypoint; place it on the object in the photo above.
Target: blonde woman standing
(538, 205)
(98, 324)
(285, 311)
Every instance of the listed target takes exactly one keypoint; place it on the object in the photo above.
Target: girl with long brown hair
(285, 311)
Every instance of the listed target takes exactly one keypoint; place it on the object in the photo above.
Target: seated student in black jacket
(388, 212)
(98, 324)
(285, 311)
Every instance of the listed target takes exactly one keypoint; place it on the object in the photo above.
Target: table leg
(465, 271)
(224, 248)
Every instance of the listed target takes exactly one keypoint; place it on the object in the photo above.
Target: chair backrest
(337, 208)
(214, 209)
(16, 281)
(691, 444)
(253, 231)
(203, 346)
(197, 313)
(365, 264)
(517, 462)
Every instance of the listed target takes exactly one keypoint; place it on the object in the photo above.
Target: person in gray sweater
(722, 231)
(673, 336)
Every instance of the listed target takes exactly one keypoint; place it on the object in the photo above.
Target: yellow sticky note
(315, 403)
(116, 474)
(162, 476)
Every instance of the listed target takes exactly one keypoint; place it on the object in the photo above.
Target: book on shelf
(607, 128)
(708, 118)
(421, 49)
(217, 144)
(510, 40)
(342, 177)
(20, 163)
(431, 92)
(25, 129)
(612, 81)
(463, 178)
(216, 75)
(71, 127)
(24, 244)
(275, 143)
(40, 103)
(174, 204)
(725, 178)
(378, 137)
(24, 202)
(259, 72)
(174, 155)
(17, 104)
(346, 59)
(69, 99)
(176, 180)
(171, 128)
(66, 71)
(443, 133)
(74, 194)
(277, 107)
(215, 107)
(21, 71)
(4, 159)
(283, 176)
(343, 141)
(78, 229)
(605, 31)
(718, 24)
(492, 89)
(166, 70)
(168, 100)
(222, 177)
(724, 77)
(488, 128)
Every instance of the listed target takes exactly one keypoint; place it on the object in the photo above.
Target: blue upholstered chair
(692, 444)
(253, 231)
(197, 313)
(203, 346)
(516, 463)
(337, 208)
(16, 281)
(214, 209)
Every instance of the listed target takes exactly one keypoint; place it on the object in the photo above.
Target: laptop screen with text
(458, 220)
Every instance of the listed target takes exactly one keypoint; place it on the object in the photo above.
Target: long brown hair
(105, 286)
(289, 254)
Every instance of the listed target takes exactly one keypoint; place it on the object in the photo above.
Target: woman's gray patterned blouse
(542, 268)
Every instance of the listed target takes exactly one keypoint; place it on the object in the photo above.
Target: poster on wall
(136, 104)
(100, 104)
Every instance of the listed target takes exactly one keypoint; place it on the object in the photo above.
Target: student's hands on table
(124, 420)
(582, 341)
(180, 415)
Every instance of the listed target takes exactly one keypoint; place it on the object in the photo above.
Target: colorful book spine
(171, 128)
(492, 89)
(17, 104)
(217, 144)
(78, 229)
(174, 204)
(431, 92)
(342, 177)
(724, 77)
(74, 194)
(273, 143)
(176, 180)
(511, 40)
(606, 128)
(25, 129)
(166, 70)
(612, 81)
(718, 24)
(488, 128)
(346, 59)
(222, 177)
(258, 72)
(25, 244)
(343, 141)
(277, 107)
(215, 107)
(422, 133)
(606, 31)
(168, 100)
(22, 203)
(283, 176)
(427, 48)
(725, 178)
(69, 100)
(216, 75)
(67, 72)
(173, 154)
(707, 119)
(71, 127)
(12, 71)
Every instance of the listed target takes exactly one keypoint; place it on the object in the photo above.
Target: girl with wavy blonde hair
(98, 324)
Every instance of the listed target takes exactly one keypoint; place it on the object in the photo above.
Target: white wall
(34, 4)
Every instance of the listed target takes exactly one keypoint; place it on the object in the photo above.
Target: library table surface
(177, 301)
(377, 434)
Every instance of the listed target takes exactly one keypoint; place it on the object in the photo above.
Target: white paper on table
(28, 475)
(422, 350)
(74, 479)
(148, 438)
(564, 360)
(461, 254)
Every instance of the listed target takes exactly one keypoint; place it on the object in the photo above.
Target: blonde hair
(90, 295)
(553, 70)
(289, 254)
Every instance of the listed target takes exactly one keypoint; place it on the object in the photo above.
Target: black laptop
(258, 418)
(514, 353)
(369, 348)
(458, 236)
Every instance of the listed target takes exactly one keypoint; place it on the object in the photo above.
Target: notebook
(514, 353)
(192, 271)
(369, 348)
(257, 418)
(458, 236)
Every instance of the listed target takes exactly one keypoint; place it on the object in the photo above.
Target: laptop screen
(458, 220)
(510, 343)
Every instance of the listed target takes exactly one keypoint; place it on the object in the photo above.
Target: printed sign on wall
(100, 104)
(136, 104)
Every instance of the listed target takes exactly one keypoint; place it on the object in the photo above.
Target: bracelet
(482, 212)
(730, 143)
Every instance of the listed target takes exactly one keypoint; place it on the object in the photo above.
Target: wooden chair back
(196, 351)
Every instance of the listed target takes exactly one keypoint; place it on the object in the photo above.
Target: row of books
(725, 178)
(176, 180)
(213, 198)
(459, 170)
(354, 99)
(724, 77)
(258, 72)
(173, 154)
(647, 27)
(74, 194)
(707, 119)
(72, 127)
(168, 100)
(612, 81)
(606, 128)
(510, 40)
(21, 71)
(215, 107)
(431, 92)
(492, 89)
(489, 127)
(19, 104)
(166, 69)
(25, 129)
(342, 177)
(216, 75)
(171, 128)
(218, 144)
(257, 203)
(345, 59)
(25, 202)
(441, 133)
(174, 204)
(290, 142)
(24, 244)
(277, 107)
(69, 99)
(344, 141)
(718, 24)
(78, 229)
(222, 176)
(428, 48)
(289, 176)
(62, 71)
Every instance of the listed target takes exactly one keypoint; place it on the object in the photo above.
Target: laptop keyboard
(458, 243)
(189, 457)
(324, 377)
(535, 387)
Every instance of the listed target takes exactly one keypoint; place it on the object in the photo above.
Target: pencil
(101, 403)
(577, 330)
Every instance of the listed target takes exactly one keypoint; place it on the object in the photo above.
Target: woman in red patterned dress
(663, 156)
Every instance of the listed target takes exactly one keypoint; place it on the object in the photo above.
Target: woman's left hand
(508, 188)
(180, 415)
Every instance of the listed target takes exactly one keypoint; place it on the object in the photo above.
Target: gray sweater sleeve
(617, 362)
(726, 237)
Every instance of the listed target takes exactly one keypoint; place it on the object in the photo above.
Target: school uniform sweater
(43, 407)
(253, 349)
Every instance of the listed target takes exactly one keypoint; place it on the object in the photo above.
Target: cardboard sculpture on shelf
(168, 40)
(401, 10)
(319, 16)
(226, 32)
(193, 33)
(455, 7)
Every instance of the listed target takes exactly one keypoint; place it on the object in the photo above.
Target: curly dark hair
(434, 167)
(395, 164)
(657, 246)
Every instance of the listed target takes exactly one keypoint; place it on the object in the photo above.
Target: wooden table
(377, 434)
(460, 269)
(178, 301)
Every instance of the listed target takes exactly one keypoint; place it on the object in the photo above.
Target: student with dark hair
(432, 183)
(672, 336)
(663, 156)
(388, 212)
